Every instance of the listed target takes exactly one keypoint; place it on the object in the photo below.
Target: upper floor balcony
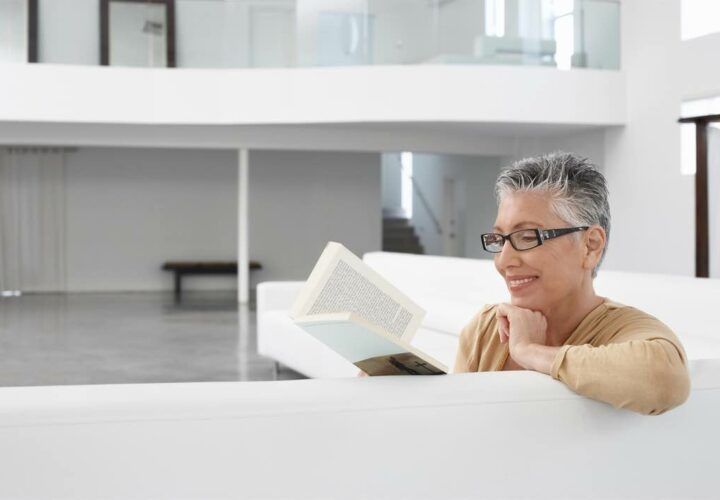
(280, 62)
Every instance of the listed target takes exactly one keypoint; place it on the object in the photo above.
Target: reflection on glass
(272, 36)
(563, 26)
(138, 34)
(495, 17)
(334, 33)
(344, 39)
(283, 33)
(13, 31)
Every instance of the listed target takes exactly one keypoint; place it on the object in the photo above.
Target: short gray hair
(578, 189)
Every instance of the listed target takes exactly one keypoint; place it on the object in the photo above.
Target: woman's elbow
(670, 388)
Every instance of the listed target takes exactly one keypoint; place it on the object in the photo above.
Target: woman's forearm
(646, 376)
(535, 357)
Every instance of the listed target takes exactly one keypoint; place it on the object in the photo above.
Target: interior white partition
(416, 93)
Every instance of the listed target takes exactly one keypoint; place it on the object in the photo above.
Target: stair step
(399, 236)
(398, 231)
(411, 239)
(400, 244)
(415, 250)
(395, 222)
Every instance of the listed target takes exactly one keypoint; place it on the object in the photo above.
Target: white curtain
(32, 220)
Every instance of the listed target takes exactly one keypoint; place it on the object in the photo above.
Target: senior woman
(550, 236)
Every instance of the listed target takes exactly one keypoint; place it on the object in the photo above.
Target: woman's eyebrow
(518, 225)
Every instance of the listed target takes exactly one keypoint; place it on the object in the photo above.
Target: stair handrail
(423, 199)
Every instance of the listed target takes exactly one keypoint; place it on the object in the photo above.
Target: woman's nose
(507, 257)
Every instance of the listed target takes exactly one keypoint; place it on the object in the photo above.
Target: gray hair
(578, 189)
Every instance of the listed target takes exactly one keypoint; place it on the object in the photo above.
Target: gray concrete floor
(117, 338)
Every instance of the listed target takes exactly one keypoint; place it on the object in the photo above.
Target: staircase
(399, 236)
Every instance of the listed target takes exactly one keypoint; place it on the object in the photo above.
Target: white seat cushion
(292, 346)
(439, 345)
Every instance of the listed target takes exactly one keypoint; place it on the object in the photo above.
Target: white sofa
(488, 435)
(484, 435)
(452, 290)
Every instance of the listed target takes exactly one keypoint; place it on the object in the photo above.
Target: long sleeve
(643, 369)
(467, 348)
(471, 340)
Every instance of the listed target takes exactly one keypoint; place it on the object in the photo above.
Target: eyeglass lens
(521, 240)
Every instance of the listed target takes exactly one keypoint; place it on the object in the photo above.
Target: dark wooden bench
(183, 268)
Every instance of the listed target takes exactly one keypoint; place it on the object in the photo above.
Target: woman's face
(545, 276)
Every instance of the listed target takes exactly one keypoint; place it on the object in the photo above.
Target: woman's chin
(525, 301)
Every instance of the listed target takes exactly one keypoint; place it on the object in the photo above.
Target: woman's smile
(519, 283)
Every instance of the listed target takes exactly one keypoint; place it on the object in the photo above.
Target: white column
(649, 196)
(243, 258)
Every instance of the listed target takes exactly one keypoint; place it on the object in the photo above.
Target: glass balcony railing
(564, 34)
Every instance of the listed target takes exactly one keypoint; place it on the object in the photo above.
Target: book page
(368, 347)
(341, 282)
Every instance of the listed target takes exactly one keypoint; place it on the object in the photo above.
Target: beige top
(617, 354)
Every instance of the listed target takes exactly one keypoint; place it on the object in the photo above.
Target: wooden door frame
(702, 233)
(105, 29)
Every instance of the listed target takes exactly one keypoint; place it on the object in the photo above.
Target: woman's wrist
(535, 357)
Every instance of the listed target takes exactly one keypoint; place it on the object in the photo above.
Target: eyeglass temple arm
(554, 233)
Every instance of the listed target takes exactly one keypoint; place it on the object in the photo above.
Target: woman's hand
(526, 333)
(362, 374)
(521, 326)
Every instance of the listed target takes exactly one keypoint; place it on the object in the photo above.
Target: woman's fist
(520, 327)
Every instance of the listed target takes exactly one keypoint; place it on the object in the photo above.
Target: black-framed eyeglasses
(524, 239)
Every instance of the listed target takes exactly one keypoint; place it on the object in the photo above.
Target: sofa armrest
(274, 295)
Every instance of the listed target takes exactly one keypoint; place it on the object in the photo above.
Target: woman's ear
(595, 239)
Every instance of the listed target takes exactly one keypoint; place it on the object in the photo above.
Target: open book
(357, 313)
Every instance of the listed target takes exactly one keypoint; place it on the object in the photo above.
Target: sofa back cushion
(453, 289)
(686, 304)
(461, 436)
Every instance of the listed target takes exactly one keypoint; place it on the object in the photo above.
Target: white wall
(129, 210)
(698, 67)
(480, 206)
(590, 144)
(649, 198)
(301, 200)
(430, 172)
(391, 183)
(475, 203)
